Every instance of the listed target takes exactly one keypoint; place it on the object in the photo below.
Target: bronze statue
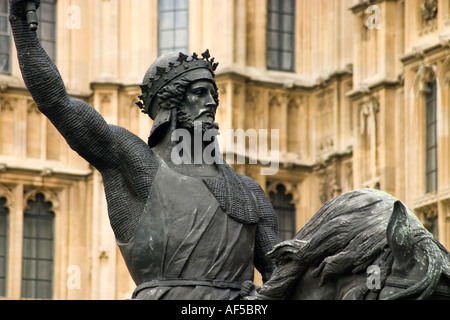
(195, 229)
(362, 245)
(186, 230)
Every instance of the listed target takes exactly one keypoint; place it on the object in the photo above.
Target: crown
(156, 78)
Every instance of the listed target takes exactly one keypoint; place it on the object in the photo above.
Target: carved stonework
(32, 107)
(275, 99)
(251, 96)
(425, 75)
(429, 9)
(348, 176)
(105, 99)
(3, 86)
(50, 196)
(7, 104)
(291, 189)
(369, 138)
(426, 208)
(445, 196)
(277, 105)
(8, 125)
(445, 77)
(251, 108)
(294, 116)
(369, 109)
(428, 215)
(7, 193)
(325, 121)
(329, 185)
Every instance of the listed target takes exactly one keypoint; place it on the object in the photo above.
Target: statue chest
(185, 233)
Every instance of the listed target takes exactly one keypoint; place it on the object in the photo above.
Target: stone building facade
(344, 94)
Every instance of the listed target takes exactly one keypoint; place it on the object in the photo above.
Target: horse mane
(345, 236)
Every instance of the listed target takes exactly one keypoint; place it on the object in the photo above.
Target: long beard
(184, 121)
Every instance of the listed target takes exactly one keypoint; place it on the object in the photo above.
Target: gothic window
(38, 247)
(280, 35)
(285, 210)
(173, 26)
(47, 27)
(431, 138)
(5, 38)
(4, 214)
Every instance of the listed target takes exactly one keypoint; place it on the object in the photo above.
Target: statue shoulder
(131, 147)
(265, 207)
(127, 139)
(251, 184)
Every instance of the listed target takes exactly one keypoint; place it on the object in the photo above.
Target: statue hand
(248, 290)
(17, 7)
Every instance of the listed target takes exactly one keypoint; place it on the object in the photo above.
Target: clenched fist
(17, 7)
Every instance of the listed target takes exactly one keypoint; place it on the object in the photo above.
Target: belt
(186, 283)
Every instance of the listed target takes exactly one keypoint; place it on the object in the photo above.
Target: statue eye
(199, 91)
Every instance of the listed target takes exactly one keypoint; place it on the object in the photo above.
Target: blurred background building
(359, 91)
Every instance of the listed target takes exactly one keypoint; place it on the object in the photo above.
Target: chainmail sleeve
(124, 160)
(84, 129)
(266, 232)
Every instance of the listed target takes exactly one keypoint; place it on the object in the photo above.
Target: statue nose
(209, 105)
(211, 102)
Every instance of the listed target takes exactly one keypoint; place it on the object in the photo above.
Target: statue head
(165, 84)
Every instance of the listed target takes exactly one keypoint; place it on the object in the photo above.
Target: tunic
(185, 246)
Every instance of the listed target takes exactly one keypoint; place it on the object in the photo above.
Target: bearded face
(194, 102)
(185, 121)
(198, 106)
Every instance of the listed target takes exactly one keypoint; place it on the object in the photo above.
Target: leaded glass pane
(431, 138)
(173, 26)
(38, 247)
(285, 210)
(5, 38)
(280, 34)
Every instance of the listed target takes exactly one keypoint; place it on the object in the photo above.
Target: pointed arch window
(285, 210)
(38, 248)
(431, 138)
(4, 218)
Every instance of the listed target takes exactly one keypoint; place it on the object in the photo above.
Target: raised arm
(83, 128)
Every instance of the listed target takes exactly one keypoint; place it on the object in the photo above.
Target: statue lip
(207, 114)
